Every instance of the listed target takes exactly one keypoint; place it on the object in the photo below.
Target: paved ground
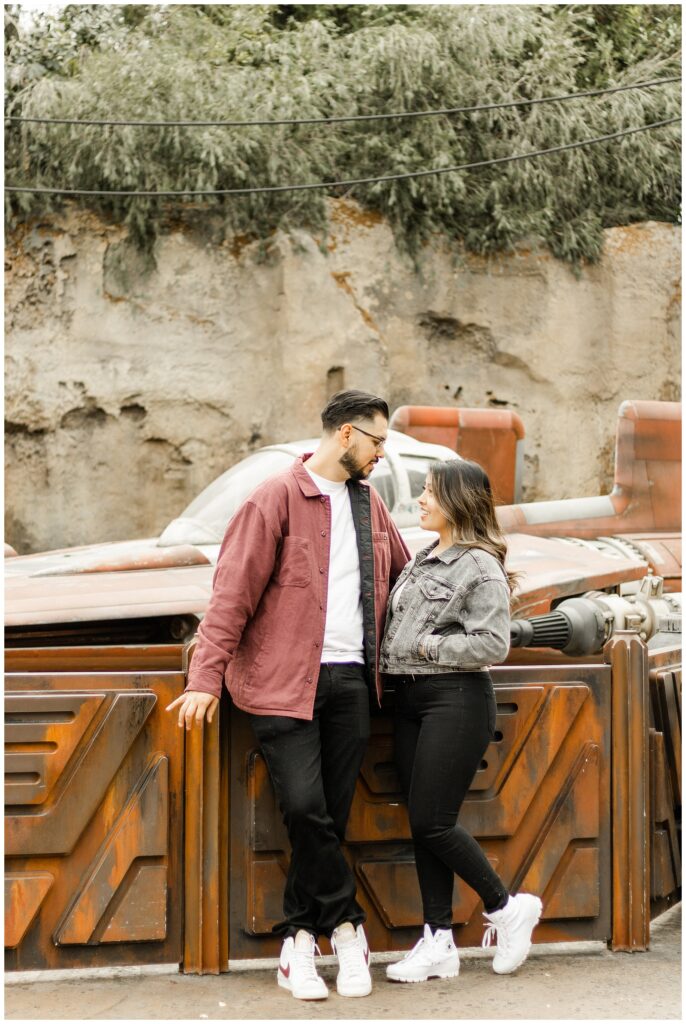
(595, 985)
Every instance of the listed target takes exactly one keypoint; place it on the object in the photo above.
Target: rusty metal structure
(129, 841)
(492, 437)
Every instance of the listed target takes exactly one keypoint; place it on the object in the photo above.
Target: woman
(448, 620)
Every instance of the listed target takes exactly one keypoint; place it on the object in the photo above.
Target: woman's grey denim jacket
(456, 606)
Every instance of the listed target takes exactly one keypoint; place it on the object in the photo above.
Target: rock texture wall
(132, 381)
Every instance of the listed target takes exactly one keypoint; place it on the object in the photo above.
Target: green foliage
(212, 62)
(617, 36)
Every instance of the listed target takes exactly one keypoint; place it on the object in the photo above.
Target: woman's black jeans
(314, 767)
(443, 725)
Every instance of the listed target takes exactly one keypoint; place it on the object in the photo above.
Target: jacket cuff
(431, 645)
(205, 687)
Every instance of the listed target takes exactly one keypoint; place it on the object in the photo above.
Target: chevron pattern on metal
(539, 806)
(94, 819)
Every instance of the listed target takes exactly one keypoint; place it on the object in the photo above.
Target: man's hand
(194, 706)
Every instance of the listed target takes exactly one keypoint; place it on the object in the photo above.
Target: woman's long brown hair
(463, 493)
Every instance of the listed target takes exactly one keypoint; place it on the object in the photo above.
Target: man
(295, 623)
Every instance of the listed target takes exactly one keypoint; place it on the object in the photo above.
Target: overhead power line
(339, 120)
(340, 184)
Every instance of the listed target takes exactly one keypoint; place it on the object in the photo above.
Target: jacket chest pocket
(434, 590)
(294, 565)
(436, 598)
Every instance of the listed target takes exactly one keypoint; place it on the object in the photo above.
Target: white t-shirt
(343, 633)
(395, 600)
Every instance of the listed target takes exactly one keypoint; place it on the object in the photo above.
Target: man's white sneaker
(513, 926)
(350, 946)
(296, 971)
(434, 956)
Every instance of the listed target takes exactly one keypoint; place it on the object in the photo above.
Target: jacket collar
(448, 556)
(305, 481)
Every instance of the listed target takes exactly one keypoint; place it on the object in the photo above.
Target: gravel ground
(589, 985)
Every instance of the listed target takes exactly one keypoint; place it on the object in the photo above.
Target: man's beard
(352, 467)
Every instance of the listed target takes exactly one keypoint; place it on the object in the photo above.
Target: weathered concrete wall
(133, 381)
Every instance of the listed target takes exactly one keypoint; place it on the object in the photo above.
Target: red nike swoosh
(285, 970)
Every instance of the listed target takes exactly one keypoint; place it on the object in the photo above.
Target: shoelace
(351, 957)
(491, 933)
(304, 959)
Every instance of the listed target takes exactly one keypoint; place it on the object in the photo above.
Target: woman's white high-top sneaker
(513, 926)
(434, 956)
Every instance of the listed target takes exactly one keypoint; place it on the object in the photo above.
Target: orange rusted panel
(38, 746)
(665, 856)
(550, 568)
(646, 495)
(142, 915)
(394, 882)
(665, 778)
(24, 893)
(108, 741)
(206, 837)
(571, 802)
(141, 831)
(665, 694)
(138, 657)
(579, 889)
(93, 818)
(118, 556)
(491, 437)
(540, 807)
(628, 656)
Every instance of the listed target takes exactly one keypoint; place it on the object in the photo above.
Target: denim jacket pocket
(435, 597)
(434, 589)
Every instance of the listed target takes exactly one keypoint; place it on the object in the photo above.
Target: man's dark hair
(347, 406)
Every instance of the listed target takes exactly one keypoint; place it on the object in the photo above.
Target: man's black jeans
(313, 768)
(442, 728)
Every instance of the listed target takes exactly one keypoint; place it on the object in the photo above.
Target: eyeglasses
(379, 442)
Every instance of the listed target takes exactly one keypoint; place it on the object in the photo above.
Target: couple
(301, 622)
